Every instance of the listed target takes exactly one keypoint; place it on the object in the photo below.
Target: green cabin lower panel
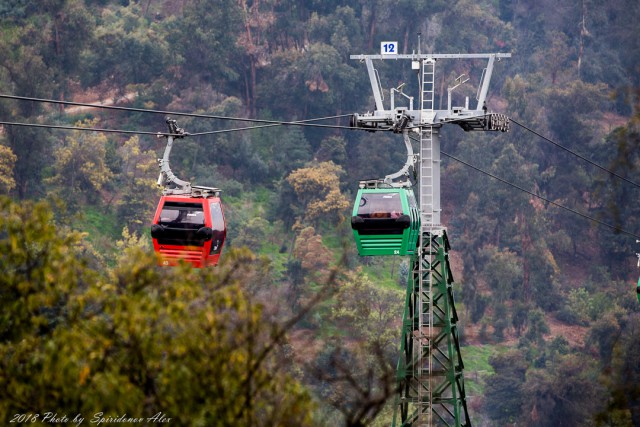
(379, 245)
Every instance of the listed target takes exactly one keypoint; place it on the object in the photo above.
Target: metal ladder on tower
(428, 72)
(422, 356)
(427, 114)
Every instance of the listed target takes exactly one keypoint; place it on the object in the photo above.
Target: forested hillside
(293, 328)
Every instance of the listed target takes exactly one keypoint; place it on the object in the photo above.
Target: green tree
(207, 40)
(622, 377)
(41, 271)
(356, 367)
(80, 169)
(519, 317)
(369, 312)
(332, 149)
(504, 394)
(544, 271)
(257, 18)
(504, 204)
(488, 32)
(40, 53)
(566, 393)
(579, 307)
(517, 90)
(503, 273)
(126, 49)
(568, 108)
(555, 55)
(619, 150)
(537, 327)
(24, 71)
(252, 234)
(7, 164)
(314, 256)
(283, 148)
(318, 191)
(474, 226)
(70, 29)
(604, 335)
(317, 81)
(13, 8)
(500, 321)
(191, 344)
(137, 184)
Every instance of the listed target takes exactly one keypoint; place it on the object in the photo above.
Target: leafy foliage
(318, 191)
(550, 396)
(137, 201)
(80, 168)
(192, 344)
(505, 388)
(7, 164)
(314, 257)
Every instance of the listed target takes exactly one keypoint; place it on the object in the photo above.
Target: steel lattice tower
(430, 368)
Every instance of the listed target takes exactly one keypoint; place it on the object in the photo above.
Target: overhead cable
(140, 132)
(177, 113)
(617, 229)
(575, 154)
(36, 125)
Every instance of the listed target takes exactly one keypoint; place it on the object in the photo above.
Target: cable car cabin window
(380, 205)
(218, 227)
(182, 215)
(380, 213)
(181, 222)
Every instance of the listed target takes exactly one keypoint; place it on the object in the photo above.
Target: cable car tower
(430, 368)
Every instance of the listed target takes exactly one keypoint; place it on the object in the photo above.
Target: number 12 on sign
(388, 48)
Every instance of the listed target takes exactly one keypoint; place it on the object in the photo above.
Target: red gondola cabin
(189, 228)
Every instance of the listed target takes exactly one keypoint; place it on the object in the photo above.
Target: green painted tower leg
(430, 369)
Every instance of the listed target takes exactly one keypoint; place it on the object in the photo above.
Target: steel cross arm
(434, 56)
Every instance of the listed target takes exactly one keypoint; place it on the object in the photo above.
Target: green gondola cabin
(385, 221)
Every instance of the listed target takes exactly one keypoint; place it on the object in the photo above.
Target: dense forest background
(293, 328)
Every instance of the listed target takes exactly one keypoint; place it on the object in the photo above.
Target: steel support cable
(140, 132)
(36, 125)
(302, 122)
(176, 113)
(575, 154)
(621, 230)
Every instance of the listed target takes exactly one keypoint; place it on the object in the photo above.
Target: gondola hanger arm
(167, 179)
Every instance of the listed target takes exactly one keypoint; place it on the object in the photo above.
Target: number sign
(388, 48)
